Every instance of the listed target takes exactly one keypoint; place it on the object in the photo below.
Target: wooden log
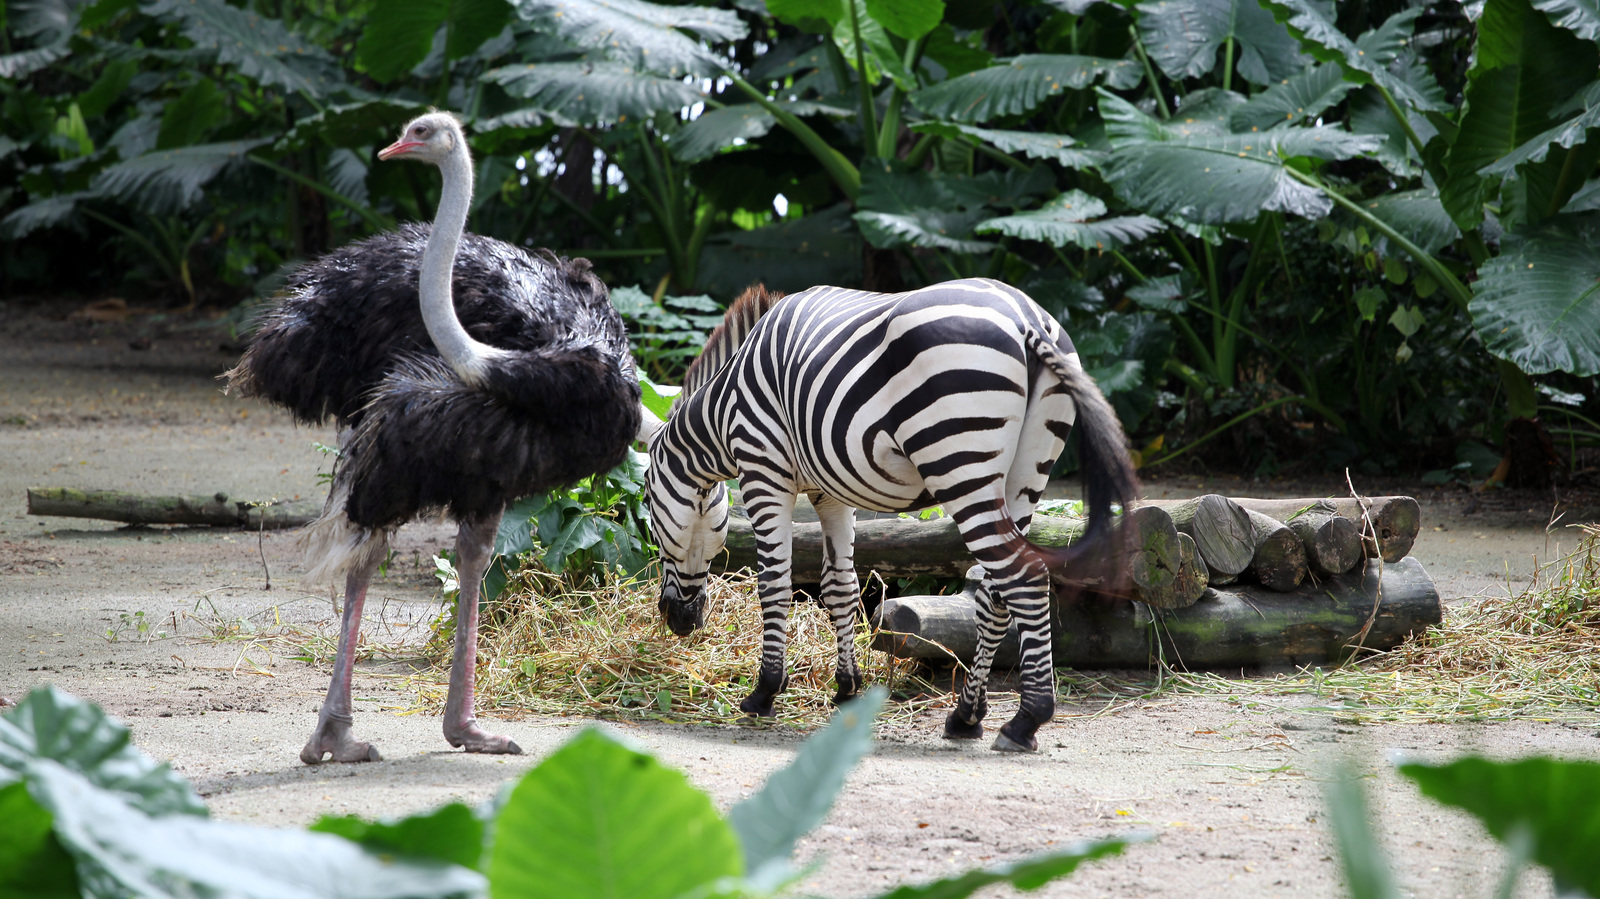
(1221, 531)
(1156, 558)
(1192, 572)
(1241, 626)
(1396, 519)
(1279, 562)
(1332, 542)
(216, 509)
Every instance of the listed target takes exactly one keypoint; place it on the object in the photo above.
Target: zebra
(959, 394)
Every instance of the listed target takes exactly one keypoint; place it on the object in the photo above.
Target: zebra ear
(649, 424)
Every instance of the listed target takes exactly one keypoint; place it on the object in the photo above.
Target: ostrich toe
(472, 738)
(331, 741)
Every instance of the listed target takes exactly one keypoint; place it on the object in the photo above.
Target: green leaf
(1020, 84)
(1120, 375)
(451, 833)
(817, 16)
(166, 181)
(1523, 66)
(23, 63)
(1059, 148)
(188, 119)
(599, 820)
(909, 19)
(1066, 221)
(1566, 135)
(121, 851)
(1418, 215)
(1201, 174)
(1407, 319)
(260, 48)
(658, 398)
(52, 725)
(717, 129)
(399, 33)
(821, 248)
(1364, 61)
(796, 798)
(1366, 870)
(349, 125)
(1537, 304)
(881, 56)
(932, 228)
(32, 861)
(471, 22)
(593, 92)
(646, 37)
(47, 213)
(1369, 300)
(1027, 874)
(957, 56)
(1582, 17)
(1296, 99)
(1184, 37)
(108, 88)
(1556, 803)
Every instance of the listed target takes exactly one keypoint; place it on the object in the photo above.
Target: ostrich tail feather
(334, 545)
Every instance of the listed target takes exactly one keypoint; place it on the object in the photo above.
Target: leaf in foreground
(599, 820)
(121, 851)
(1028, 874)
(451, 833)
(50, 724)
(1366, 870)
(797, 798)
(32, 861)
(1556, 803)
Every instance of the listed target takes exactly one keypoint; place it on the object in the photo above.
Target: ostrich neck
(465, 355)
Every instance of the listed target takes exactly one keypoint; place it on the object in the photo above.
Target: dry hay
(550, 648)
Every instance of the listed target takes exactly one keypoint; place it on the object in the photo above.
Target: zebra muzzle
(683, 616)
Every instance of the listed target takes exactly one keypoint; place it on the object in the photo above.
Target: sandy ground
(1232, 790)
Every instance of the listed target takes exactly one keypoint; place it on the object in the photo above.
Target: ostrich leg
(474, 547)
(332, 736)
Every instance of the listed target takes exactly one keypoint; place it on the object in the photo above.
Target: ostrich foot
(332, 737)
(472, 738)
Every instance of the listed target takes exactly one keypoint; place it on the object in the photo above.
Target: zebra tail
(1096, 562)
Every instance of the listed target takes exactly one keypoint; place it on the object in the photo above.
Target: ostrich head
(427, 138)
(691, 525)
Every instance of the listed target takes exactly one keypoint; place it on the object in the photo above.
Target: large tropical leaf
(1582, 17)
(878, 47)
(452, 833)
(169, 180)
(821, 248)
(909, 19)
(1370, 114)
(43, 20)
(1524, 65)
(1184, 37)
(647, 36)
(1060, 148)
(49, 724)
(400, 33)
(1566, 135)
(1553, 804)
(1204, 175)
(942, 229)
(1311, 23)
(1304, 96)
(1537, 304)
(1074, 219)
(1020, 84)
(592, 93)
(349, 124)
(121, 851)
(730, 126)
(796, 799)
(260, 48)
(25, 62)
(1418, 215)
(47, 213)
(597, 819)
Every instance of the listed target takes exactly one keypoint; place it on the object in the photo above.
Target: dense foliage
(1350, 235)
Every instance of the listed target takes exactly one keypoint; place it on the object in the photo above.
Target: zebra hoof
(757, 706)
(957, 729)
(1003, 743)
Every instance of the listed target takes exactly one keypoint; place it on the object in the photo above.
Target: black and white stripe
(959, 394)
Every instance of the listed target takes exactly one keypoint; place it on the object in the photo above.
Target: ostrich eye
(420, 131)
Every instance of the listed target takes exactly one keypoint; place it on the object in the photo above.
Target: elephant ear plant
(87, 814)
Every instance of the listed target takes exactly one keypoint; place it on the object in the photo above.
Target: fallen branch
(216, 510)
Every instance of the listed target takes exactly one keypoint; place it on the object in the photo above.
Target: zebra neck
(703, 440)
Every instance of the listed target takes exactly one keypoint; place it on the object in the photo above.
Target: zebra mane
(726, 337)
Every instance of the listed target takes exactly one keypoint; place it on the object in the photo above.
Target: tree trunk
(1396, 518)
(1221, 531)
(1243, 626)
(216, 509)
(1279, 562)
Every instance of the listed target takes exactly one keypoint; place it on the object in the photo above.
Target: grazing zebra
(959, 394)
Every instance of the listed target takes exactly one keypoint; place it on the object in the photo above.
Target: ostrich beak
(399, 148)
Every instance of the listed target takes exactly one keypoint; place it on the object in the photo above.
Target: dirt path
(1232, 789)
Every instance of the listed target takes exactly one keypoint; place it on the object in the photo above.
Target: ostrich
(463, 373)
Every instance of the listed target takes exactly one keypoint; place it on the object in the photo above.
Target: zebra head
(690, 524)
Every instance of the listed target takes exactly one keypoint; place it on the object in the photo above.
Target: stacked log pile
(1231, 581)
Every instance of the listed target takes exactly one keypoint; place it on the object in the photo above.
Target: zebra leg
(965, 721)
(772, 520)
(1028, 598)
(841, 590)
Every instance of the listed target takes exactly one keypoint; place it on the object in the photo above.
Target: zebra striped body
(959, 394)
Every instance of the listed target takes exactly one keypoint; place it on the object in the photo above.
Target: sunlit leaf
(451, 833)
(921, 227)
(1582, 17)
(1020, 84)
(592, 92)
(1296, 99)
(1060, 148)
(261, 48)
(1074, 219)
(648, 37)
